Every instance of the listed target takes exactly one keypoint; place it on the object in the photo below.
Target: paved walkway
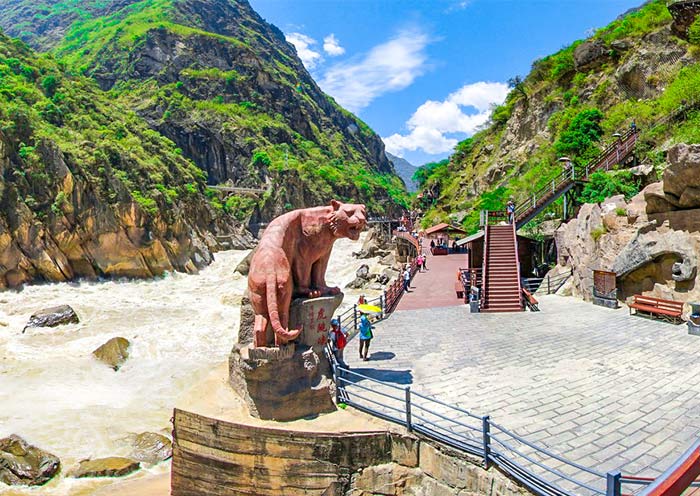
(434, 287)
(600, 387)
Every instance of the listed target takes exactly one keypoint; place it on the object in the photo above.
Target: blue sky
(423, 74)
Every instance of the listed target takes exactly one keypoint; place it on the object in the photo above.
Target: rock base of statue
(286, 383)
(292, 381)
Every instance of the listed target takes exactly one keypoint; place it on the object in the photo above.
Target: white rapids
(54, 393)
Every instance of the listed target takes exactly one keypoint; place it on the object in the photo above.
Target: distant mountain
(404, 169)
(227, 88)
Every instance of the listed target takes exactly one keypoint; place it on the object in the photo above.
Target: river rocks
(52, 317)
(114, 352)
(151, 448)
(244, 265)
(113, 466)
(24, 464)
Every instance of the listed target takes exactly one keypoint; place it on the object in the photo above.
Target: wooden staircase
(501, 275)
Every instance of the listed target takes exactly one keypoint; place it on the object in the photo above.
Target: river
(54, 393)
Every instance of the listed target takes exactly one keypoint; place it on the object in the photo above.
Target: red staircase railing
(676, 479)
(614, 154)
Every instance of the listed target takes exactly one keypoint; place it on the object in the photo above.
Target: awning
(471, 238)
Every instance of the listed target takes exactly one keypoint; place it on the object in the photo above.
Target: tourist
(432, 243)
(365, 336)
(339, 339)
(419, 263)
(406, 278)
(361, 300)
(510, 210)
(425, 261)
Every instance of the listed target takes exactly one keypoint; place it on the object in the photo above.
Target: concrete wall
(214, 457)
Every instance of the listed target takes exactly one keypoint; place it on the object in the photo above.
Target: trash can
(694, 319)
(474, 300)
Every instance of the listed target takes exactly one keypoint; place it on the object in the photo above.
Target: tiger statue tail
(282, 335)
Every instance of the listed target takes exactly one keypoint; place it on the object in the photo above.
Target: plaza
(594, 385)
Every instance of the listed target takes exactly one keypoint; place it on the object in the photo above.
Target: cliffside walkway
(556, 383)
(617, 153)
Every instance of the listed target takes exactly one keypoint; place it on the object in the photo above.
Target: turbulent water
(58, 397)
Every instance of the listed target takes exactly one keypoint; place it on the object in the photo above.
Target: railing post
(408, 409)
(354, 317)
(382, 303)
(613, 486)
(534, 201)
(549, 290)
(486, 433)
(553, 189)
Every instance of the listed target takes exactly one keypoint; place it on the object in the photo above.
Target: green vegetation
(602, 185)
(104, 144)
(597, 232)
(583, 107)
(333, 159)
(581, 135)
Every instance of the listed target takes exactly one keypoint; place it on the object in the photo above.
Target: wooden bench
(439, 250)
(664, 309)
(459, 289)
(530, 301)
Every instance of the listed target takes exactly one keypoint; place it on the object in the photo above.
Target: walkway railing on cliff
(616, 153)
(387, 301)
(541, 470)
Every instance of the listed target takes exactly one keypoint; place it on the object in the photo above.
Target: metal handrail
(446, 433)
(545, 467)
(545, 451)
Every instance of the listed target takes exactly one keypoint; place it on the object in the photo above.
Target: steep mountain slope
(227, 88)
(405, 170)
(571, 104)
(87, 189)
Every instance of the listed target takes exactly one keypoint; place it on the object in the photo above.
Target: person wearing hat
(339, 339)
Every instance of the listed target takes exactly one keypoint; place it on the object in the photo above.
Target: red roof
(443, 227)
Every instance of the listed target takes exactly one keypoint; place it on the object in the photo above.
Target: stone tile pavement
(595, 385)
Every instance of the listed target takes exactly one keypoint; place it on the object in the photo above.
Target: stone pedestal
(286, 383)
(289, 382)
(694, 319)
(314, 317)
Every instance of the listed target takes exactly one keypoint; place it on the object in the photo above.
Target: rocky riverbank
(60, 398)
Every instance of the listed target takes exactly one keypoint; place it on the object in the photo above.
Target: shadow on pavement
(382, 355)
(394, 376)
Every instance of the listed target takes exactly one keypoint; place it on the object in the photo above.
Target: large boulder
(52, 317)
(151, 448)
(682, 176)
(114, 352)
(649, 246)
(113, 466)
(589, 53)
(244, 265)
(24, 464)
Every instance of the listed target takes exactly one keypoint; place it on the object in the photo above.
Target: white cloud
(306, 53)
(432, 121)
(391, 66)
(331, 46)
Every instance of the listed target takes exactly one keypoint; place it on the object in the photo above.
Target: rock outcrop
(24, 464)
(113, 353)
(151, 448)
(332, 463)
(52, 317)
(651, 242)
(113, 466)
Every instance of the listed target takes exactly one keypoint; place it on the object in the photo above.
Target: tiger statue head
(347, 220)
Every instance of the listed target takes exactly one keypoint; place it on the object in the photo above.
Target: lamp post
(566, 161)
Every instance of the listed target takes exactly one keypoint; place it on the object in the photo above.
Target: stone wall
(215, 457)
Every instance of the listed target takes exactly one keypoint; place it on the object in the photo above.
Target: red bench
(665, 309)
(530, 301)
